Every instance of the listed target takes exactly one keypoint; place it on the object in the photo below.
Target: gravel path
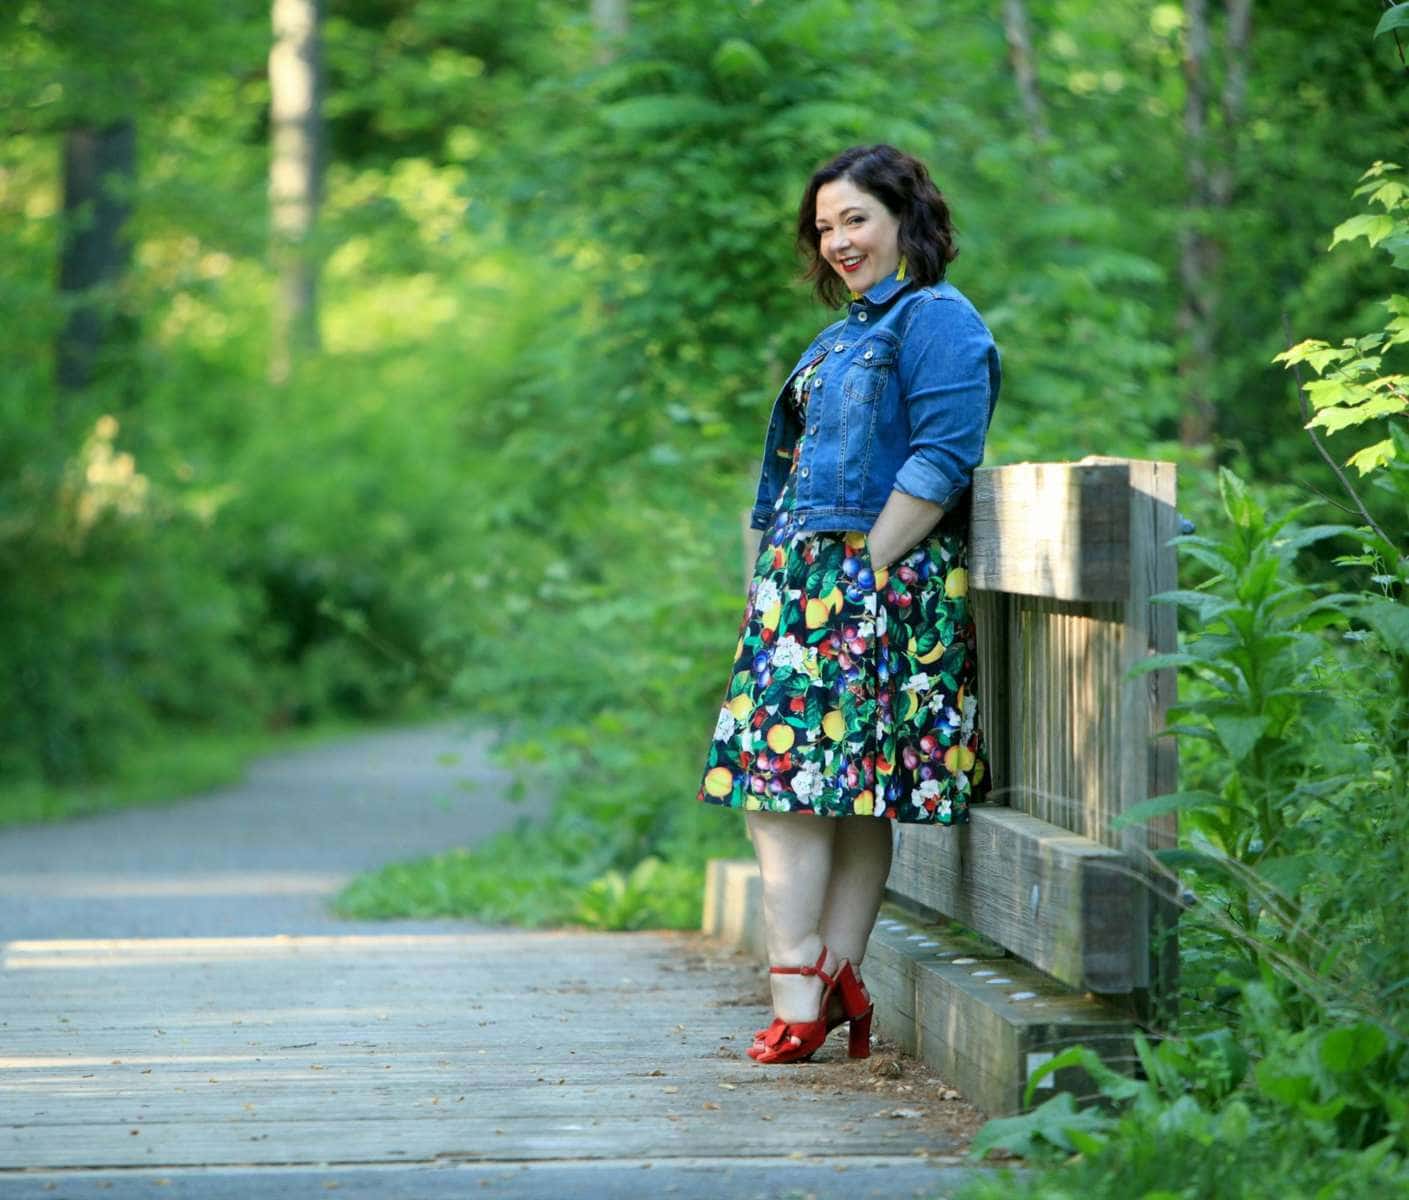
(264, 855)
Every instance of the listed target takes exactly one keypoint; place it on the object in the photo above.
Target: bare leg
(860, 866)
(795, 861)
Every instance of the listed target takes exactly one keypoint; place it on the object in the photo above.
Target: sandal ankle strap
(812, 970)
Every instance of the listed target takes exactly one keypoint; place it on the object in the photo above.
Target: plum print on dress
(854, 692)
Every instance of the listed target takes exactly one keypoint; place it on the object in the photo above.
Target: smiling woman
(856, 234)
(853, 701)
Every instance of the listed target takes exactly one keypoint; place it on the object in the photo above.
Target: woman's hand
(903, 522)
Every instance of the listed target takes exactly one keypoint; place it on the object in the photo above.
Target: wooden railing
(1064, 558)
(1037, 925)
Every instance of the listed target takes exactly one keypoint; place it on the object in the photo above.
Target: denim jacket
(902, 399)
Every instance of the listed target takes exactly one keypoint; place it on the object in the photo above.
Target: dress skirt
(854, 692)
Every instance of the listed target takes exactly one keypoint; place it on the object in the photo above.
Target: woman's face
(858, 236)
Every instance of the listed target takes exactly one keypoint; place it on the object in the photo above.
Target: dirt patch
(904, 1089)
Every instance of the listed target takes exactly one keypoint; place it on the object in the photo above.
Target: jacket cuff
(760, 518)
(925, 481)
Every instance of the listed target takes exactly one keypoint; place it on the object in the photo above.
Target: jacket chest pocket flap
(865, 378)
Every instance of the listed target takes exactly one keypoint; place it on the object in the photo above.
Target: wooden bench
(1037, 925)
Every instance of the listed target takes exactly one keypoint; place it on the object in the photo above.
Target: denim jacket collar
(884, 291)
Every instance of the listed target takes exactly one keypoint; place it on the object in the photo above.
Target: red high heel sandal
(797, 1041)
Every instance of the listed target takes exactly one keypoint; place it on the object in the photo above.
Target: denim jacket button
(813, 430)
(805, 472)
(839, 347)
(861, 316)
(870, 353)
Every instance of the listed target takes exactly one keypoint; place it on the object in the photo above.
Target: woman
(853, 702)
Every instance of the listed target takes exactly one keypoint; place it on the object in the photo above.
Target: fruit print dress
(854, 693)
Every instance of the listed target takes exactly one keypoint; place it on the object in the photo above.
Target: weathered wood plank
(984, 1024)
(1059, 530)
(1060, 901)
(424, 1048)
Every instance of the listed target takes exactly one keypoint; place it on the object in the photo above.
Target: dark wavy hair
(900, 182)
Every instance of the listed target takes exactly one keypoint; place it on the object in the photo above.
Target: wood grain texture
(984, 1023)
(1058, 900)
(1073, 738)
(1059, 530)
(503, 1046)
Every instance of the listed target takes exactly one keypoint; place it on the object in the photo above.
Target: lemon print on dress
(781, 738)
(956, 583)
(719, 782)
(958, 758)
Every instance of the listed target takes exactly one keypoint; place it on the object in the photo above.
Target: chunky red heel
(859, 1008)
(859, 1038)
(797, 1041)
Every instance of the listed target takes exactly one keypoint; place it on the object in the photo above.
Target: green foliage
(1352, 390)
(1394, 18)
(1289, 1072)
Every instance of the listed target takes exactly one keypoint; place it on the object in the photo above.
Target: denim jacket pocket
(865, 378)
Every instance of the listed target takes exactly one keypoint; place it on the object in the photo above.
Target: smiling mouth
(850, 264)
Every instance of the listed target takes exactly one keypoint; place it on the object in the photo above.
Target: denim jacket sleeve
(949, 376)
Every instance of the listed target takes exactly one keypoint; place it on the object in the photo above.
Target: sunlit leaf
(1373, 227)
(1373, 457)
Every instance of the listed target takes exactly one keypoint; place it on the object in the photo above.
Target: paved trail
(180, 1016)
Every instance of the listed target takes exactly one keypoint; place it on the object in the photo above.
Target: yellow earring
(900, 270)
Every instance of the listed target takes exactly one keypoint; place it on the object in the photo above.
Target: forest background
(485, 438)
(430, 372)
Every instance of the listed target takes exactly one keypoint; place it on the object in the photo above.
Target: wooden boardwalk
(169, 1020)
(431, 1049)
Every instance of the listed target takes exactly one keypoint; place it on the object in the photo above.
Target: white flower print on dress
(970, 714)
(789, 653)
(765, 596)
(807, 782)
(725, 726)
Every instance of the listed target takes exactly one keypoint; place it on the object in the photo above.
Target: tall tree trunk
(1018, 31)
(100, 169)
(1197, 250)
(295, 178)
(1210, 178)
(1234, 98)
(610, 22)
